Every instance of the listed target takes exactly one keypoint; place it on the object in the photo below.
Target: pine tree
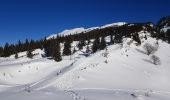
(26, 44)
(95, 46)
(67, 48)
(48, 47)
(136, 38)
(19, 49)
(16, 55)
(81, 44)
(29, 54)
(111, 39)
(74, 50)
(88, 41)
(56, 52)
(32, 45)
(87, 49)
(145, 37)
(168, 35)
(6, 50)
(118, 38)
(1, 51)
(102, 44)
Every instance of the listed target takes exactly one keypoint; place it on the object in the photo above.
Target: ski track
(53, 76)
(45, 81)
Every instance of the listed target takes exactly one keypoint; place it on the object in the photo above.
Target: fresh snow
(127, 73)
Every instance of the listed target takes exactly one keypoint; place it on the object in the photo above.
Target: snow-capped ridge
(82, 29)
(114, 24)
(68, 32)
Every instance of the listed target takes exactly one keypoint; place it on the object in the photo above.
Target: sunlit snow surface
(128, 74)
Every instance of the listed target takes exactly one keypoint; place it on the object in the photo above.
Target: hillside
(123, 70)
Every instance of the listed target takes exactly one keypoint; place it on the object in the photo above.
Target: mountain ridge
(82, 29)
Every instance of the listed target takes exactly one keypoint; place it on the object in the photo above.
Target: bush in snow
(16, 56)
(148, 93)
(29, 54)
(149, 48)
(133, 95)
(106, 53)
(155, 60)
(27, 88)
(4, 74)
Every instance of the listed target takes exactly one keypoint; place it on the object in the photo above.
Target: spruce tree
(74, 50)
(16, 55)
(81, 44)
(26, 44)
(88, 41)
(111, 39)
(145, 37)
(95, 46)
(102, 44)
(19, 49)
(168, 35)
(56, 52)
(1, 51)
(48, 47)
(6, 50)
(29, 54)
(87, 49)
(67, 48)
(136, 38)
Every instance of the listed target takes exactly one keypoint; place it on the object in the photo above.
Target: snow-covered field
(127, 73)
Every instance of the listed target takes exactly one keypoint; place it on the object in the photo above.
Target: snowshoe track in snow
(74, 95)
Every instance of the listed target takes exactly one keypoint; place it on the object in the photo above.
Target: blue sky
(20, 19)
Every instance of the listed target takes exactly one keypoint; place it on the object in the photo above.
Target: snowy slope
(127, 68)
(127, 73)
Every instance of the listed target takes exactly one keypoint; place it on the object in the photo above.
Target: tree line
(52, 47)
